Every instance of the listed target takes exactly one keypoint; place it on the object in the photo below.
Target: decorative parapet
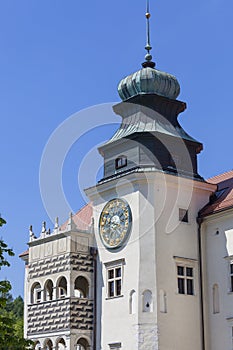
(60, 315)
(59, 263)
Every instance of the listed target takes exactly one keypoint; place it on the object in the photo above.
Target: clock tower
(148, 292)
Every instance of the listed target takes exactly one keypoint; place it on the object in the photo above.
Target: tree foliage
(11, 311)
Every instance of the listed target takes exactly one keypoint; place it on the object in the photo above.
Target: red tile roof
(82, 218)
(223, 197)
(24, 254)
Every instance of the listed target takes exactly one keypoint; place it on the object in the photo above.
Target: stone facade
(59, 305)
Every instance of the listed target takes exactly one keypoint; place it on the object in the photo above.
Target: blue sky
(58, 57)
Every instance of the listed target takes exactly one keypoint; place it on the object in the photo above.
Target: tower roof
(149, 80)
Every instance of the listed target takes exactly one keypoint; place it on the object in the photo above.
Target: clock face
(115, 223)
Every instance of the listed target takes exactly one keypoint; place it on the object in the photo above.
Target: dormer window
(120, 162)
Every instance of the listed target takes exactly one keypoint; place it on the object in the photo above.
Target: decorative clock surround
(115, 223)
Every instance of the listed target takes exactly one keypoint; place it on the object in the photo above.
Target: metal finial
(148, 47)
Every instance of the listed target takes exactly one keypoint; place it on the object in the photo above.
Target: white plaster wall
(179, 326)
(149, 263)
(218, 247)
(115, 322)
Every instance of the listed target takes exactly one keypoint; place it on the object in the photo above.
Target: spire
(148, 57)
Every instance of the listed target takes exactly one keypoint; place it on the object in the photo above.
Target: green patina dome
(149, 81)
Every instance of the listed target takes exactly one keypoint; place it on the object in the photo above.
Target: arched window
(37, 346)
(216, 308)
(61, 344)
(147, 301)
(36, 293)
(82, 344)
(62, 288)
(81, 287)
(163, 301)
(48, 345)
(132, 302)
(48, 290)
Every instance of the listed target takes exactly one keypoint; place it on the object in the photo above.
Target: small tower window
(183, 215)
(147, 301)
(120, 162)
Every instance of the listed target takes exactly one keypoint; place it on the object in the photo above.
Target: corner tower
(145, 207)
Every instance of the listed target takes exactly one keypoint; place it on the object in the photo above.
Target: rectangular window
(114, 281)
(120, 162)
(115, 346)
(185, 280)
(183, 215)
(231, 276)
(114, 278)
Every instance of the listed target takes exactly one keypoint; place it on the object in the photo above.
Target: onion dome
(149, 81)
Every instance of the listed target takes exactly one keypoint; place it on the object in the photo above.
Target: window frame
(230, 276)
(185, 278)
(186, 263)
(114, 266)
(114, 346)
(123, 160)
(184, 215)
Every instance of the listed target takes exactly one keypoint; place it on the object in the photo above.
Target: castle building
(147, 264)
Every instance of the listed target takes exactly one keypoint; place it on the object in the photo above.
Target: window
(36, 293)
(114, 282)
(48, 290)
(183, 215)
(82, 344)
(62, 288)
(114, 278)
(185, 279)
(115, 346)
(81, 287)
(216, 307)
(147, 301)
(120, 162)
(231, 276)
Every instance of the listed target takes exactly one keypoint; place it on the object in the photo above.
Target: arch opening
(147, 301)
(82, 344)
(81, 287)
(36, 293)
(48, 290)
(37, 346)
(61, 344)
(132, 302)
(48, 345)
(62, 288)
